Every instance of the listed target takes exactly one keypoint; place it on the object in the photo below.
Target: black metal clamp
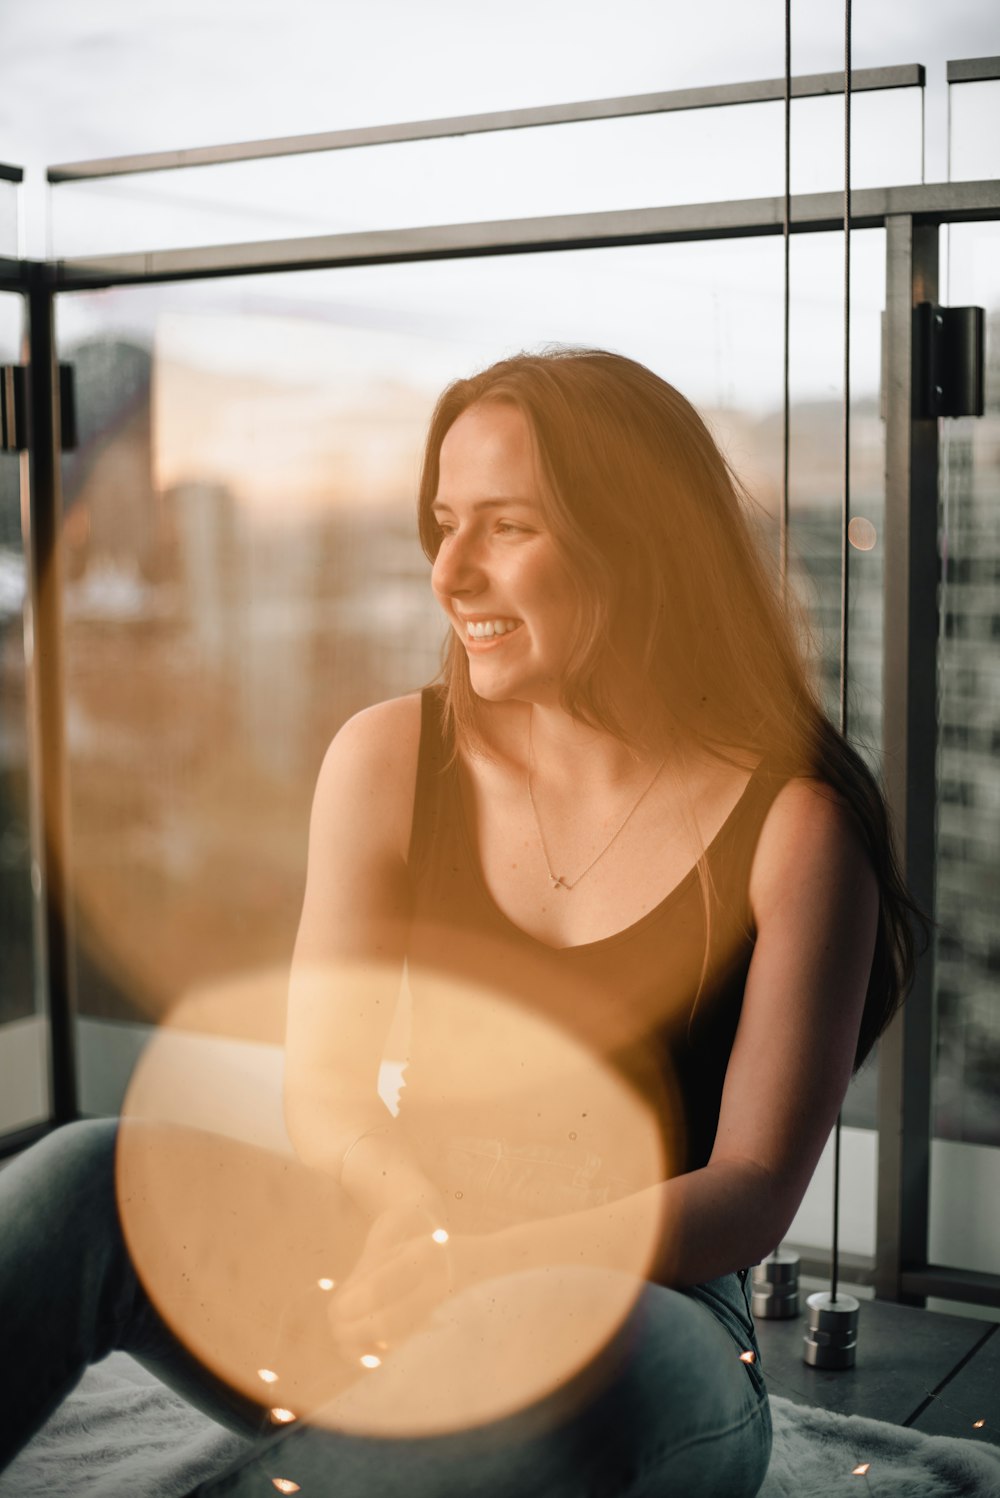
(949, 347)
(14, 408)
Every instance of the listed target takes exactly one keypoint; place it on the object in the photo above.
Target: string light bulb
(268, 1375)
(369, 1360)
(282, 1416)
(862, 1470)
(978, 1424)
(325, 1284)
(440, 1235)
(285, 1485)
(749, 1356)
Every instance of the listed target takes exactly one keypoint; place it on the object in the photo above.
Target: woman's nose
(458, 566)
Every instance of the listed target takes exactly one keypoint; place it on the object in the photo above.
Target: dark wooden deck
(935, 1372)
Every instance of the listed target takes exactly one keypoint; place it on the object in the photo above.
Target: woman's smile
(484, 633)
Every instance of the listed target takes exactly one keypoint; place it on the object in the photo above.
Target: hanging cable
(787, 324)
(775, 1282)
(832, 1337)
(845, 520)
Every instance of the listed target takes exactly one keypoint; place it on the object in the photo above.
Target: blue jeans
(667, 1407)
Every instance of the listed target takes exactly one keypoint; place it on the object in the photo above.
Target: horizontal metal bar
(855, 1269)
(973, 69)
(11, 173)
(907, 75)
(810, 213)
(944, 1283)
(14, 274)
(952, 1284)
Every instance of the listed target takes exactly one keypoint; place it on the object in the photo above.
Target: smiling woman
(646, 903)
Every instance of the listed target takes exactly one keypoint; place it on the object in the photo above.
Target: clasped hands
(408, 1266)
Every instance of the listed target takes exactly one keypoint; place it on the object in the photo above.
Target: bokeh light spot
(861, 533)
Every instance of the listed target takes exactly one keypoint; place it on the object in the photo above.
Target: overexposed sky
(117, 77)
(112, 77)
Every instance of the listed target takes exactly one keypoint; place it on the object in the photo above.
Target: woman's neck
(565, 748)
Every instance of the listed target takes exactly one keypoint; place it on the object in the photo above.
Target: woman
(624, 812)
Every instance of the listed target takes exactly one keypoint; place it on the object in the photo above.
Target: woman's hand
(405, 1270)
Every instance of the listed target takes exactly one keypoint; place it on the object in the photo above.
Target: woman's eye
(508, 528)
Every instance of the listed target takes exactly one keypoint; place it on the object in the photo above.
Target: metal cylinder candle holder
(775, 1295)
(832, 1338)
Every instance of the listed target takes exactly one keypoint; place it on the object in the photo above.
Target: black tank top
(658, 1002)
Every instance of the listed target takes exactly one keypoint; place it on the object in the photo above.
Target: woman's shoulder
(386, 729)
(368, 776)
(810, 833)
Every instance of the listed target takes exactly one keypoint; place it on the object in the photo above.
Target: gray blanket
(124, 1435)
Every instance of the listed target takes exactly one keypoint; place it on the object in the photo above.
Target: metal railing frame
(911, 216)
(712, 96)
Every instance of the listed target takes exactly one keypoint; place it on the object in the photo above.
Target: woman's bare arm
(347, 965)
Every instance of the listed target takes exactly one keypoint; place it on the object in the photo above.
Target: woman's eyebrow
(488, 504)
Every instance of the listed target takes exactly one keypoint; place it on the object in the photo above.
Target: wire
(787, 325)
(844, 542)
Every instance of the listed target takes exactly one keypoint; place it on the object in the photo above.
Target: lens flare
(235, 1238)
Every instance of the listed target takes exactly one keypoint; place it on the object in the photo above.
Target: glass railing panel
(242, 570)
(242, 565)
(965, 1180)
(23, 1045)
(974, 130)
(9, 196)
(703, 155)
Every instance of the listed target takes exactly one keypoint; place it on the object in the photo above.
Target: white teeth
(486, 629)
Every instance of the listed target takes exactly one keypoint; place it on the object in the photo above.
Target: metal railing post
(43, 541)
(906, 1054)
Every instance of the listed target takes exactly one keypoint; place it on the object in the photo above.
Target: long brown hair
(658, 535)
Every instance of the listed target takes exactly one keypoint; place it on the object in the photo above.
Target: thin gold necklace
(559, 881)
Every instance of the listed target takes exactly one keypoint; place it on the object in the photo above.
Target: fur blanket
(124, 1435)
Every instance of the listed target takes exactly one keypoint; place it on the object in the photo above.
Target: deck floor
(935, 1372)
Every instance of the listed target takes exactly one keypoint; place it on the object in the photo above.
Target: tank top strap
(732, 854)
(432, 762)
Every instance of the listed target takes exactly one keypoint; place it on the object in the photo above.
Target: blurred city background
(240, 565)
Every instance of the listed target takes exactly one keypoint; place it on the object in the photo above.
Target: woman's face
(499, 574)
